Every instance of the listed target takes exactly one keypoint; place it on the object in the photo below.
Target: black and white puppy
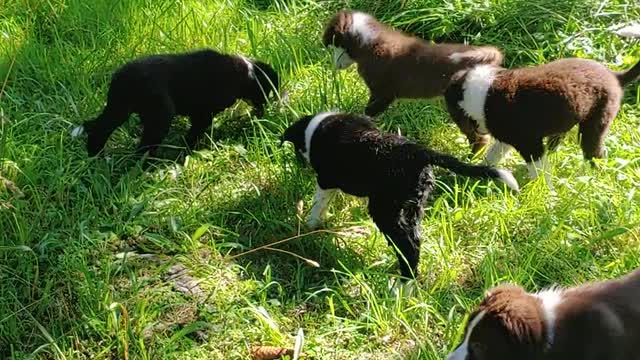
(350, 154)
(197, 84)
(598, 321)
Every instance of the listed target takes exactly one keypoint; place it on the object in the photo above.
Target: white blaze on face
(310, 130)
(475, 88)
(341, 59)
(462, 351)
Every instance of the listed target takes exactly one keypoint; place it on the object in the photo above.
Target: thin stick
(281, 241)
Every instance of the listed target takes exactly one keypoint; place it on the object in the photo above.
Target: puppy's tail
(480, 55)
(631, 75)
(480, 171)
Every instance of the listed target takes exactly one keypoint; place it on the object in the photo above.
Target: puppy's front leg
(320, 206)
(377, 105)
(539, 166)
(496, 152)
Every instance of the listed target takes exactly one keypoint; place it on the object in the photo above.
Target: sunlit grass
(67, 290)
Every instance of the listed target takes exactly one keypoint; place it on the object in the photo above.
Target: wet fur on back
(593, 321)
(197, 84)
(350, 154)
(394, 65)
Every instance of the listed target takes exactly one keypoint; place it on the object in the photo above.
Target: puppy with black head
(197, 84)
(350, 154)
(598, 321)
(395, 65)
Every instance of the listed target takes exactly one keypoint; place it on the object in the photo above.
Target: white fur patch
(77, 131)
(311, 128)
(631, 31)
(341, 59)
(507, 178)
(250, 69)
(550, 299)
(475, 88)
(361, 27)
(320, 206)
(463, 350)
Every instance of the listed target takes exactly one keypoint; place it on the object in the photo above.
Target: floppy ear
(295, 133)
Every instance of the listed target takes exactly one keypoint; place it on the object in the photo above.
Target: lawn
(102, 260)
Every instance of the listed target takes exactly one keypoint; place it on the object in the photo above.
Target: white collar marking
(310, 130)
(360, 26)
(475, 88)
(550, 299)
(249, 67)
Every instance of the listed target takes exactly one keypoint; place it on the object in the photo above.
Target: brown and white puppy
(522, 107)
(394, 65)
(597, 321)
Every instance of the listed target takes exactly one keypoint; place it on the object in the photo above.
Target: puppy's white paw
(313, 223)
(402, 288)
(77, 131)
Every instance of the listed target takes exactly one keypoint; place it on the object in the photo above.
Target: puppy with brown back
(394, 65)
(597, 321)
(525, 107)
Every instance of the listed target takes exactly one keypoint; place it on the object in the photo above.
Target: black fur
(198, 84)
(350, 154)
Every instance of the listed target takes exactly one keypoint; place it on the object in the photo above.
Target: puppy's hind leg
(400, 223)
(594, 130)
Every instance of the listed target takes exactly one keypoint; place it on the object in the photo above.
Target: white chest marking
(310, 130)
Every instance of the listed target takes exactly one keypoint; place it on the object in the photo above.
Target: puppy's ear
(295, 133)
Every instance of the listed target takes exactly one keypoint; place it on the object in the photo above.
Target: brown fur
(395, 65)
(599, 321)
(526, 105)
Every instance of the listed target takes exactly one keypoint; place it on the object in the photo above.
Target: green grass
(64, 218)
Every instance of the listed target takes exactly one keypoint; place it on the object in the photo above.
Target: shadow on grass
(272, 215)
(43, 297)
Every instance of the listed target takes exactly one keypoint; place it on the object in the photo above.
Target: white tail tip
(77, 131)
(508, 178)
(631, 31)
